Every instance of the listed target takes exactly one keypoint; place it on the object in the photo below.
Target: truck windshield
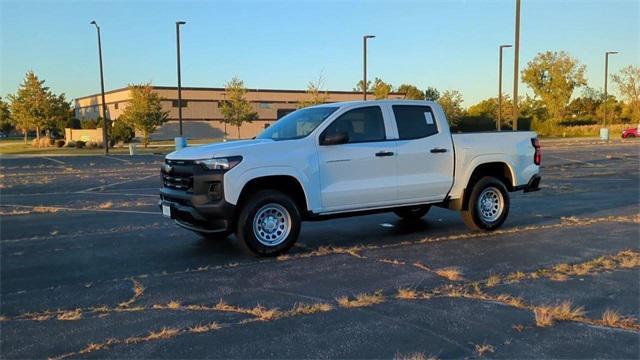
(297, 124)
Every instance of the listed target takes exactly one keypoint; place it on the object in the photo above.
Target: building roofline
(223, 89)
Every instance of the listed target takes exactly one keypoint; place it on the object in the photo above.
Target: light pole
(500, 87)
(606, 76)
(364, 75)
(516, 59)
(104, 103)
(180, 143)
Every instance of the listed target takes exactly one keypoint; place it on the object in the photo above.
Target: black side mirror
(334, 139)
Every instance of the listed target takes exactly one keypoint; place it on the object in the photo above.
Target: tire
(269, 223)
(412, 212)
(488, 205)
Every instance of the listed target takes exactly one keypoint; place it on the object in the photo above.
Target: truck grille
(178, 181)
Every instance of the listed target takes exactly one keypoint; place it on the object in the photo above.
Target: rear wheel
(269, 223)
(412, 212)
(488, 205)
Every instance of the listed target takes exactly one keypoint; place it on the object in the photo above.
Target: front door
(360, 173)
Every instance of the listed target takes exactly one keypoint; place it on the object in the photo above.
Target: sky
(447, 44)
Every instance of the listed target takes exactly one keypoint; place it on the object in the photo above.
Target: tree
(30, 106)
(60, 112)
(451, 102)
(586, 105)
(6, 123)
(628, 81)
(359, 86)
(488, 108)
(431, 94)
(553, 76)
(411, 92)
(315, 94)
(381, 89)
(236, 110)
(144, 112)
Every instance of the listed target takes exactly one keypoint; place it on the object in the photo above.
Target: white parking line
(115, 158)
(54, 160)
(102, 187)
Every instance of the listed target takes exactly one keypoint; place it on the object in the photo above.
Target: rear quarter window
(414, 121)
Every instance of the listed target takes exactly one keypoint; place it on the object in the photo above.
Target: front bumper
(196, 197)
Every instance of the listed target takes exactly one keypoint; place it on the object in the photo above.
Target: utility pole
(516, 74)
(606, 77)
(364, 76)
(105, 121)
(500, 87)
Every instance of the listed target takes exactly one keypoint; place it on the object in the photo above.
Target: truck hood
(230, 148)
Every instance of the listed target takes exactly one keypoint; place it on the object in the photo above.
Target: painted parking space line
(115, 158)
(102, 187)
(54, 160)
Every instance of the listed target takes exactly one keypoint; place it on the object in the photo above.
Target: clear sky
(284, 44)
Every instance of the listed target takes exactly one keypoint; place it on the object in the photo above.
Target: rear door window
(364, 124)
(414, 121)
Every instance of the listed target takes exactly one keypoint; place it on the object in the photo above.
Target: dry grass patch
(450, 273)
(306, 309)
(106, 205)
(483, 349)
(392, 261)
(414, 356)
(516, 276)
(202, 328)
(407, 294)
(164, 333)
(611, 318)
(361, 300)
(543, 316)
(138, 291)
(518, 327)
(265, 314)
(70, 315)
(565, 311)
(511, 300)
(493, 280)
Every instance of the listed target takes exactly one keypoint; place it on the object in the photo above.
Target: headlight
(226, 163)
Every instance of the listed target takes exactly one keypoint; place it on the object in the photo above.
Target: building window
(265, 106)
(174, 103)
(283, 112)
(116, 106)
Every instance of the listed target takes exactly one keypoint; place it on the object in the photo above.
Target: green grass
(15, 147)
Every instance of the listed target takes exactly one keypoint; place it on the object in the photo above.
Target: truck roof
(378, 102)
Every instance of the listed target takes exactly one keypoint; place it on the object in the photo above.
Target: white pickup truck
(344, 159)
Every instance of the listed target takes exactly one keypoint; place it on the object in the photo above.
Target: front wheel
(269, 223)
(488, 205)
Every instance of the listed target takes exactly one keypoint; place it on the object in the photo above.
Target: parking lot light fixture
(364, 76)
(499, 118)
(606, 76)
(105, 121)
(178, 23)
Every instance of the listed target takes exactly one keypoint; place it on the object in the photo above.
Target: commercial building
(201, 113)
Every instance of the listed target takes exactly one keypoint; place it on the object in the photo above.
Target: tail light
(537, 156)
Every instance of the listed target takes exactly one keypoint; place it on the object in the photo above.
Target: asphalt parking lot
(90, 269)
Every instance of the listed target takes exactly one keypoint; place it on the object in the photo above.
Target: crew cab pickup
(343, 159)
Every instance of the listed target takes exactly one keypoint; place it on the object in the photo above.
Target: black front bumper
(196, 197)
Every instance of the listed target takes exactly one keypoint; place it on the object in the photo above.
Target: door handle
(438, 150)
(384, 153)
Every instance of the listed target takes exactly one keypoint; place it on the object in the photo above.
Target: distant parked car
(3, 135)
(630, 133)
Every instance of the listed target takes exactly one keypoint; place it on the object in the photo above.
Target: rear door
(424, 155)
(360, 173)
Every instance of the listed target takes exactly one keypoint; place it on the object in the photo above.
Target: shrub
(35, 143)
(91, 145)
(80, 144)
(121, 132)
(60, 143)
(578, 122)
(46, 141)
(70, 144)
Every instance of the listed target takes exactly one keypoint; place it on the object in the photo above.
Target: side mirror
(334, 139)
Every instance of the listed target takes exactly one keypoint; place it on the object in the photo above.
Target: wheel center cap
(270, 224)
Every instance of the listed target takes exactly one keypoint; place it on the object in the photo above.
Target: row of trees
(34, 107)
